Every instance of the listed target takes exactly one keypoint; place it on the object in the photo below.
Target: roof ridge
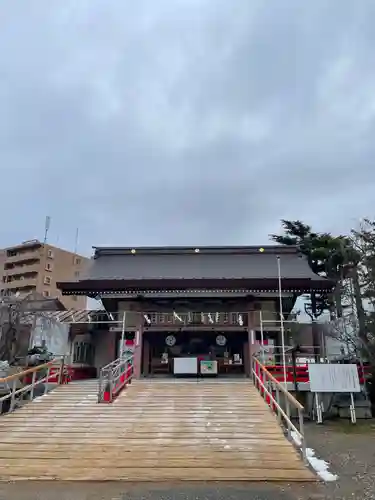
(185, 250)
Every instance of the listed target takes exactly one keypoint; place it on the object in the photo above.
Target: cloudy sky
(184, 121)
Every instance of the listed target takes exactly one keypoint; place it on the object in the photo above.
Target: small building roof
(148, 267)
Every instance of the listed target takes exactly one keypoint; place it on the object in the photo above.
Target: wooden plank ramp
(155, 431)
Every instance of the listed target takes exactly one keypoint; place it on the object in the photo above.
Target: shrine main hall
(184, 309)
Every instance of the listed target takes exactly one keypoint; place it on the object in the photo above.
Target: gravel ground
(349, 449)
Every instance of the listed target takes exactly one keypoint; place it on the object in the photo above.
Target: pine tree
(328, 256)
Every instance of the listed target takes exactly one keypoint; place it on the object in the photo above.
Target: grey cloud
(177, 122)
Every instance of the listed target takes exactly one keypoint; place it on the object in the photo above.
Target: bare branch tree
(18, 314)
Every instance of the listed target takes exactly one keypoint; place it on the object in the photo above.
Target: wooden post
(250, 345)
(146, 356)
(138, 348)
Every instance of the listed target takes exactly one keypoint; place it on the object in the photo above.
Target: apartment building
(34, 266)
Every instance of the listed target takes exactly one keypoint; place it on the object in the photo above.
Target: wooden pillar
(138, 349)
(146, 357)
(246, 358)
(250, 345)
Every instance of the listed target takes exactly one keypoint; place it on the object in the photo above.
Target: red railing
(114, 377)
(302, 373)
(23, 384)
(281, 401)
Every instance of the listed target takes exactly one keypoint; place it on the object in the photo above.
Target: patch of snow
(208, 424)
(296, 438)
(319, 465)
(226, 447)
(39, 398)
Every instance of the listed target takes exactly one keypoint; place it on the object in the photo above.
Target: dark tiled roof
(209, 263)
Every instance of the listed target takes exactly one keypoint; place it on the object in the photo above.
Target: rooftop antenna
(46, 228)
(76, 241)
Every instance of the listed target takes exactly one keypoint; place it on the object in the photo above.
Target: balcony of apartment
(29, 266)
(16, 256)
(21, 281)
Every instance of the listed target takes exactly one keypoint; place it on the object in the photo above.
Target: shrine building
(186, 309)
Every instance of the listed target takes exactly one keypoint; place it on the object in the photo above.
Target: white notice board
(333, 378)
(185, 366)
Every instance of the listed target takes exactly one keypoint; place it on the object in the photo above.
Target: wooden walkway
(155, 431)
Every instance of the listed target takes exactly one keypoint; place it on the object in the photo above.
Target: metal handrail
(267, 385)
(275, 352)
(12, 381)
(114, 376)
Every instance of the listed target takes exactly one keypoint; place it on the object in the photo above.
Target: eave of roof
(121, 286)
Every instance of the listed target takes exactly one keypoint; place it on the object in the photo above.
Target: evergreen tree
(328, 256)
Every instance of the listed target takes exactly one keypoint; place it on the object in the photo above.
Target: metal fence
(114, 377)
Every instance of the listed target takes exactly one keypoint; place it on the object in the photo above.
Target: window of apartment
(47, 280)
(46, 293)
(48, 266)
(50, 254)
(76, 274)
(77, 261)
